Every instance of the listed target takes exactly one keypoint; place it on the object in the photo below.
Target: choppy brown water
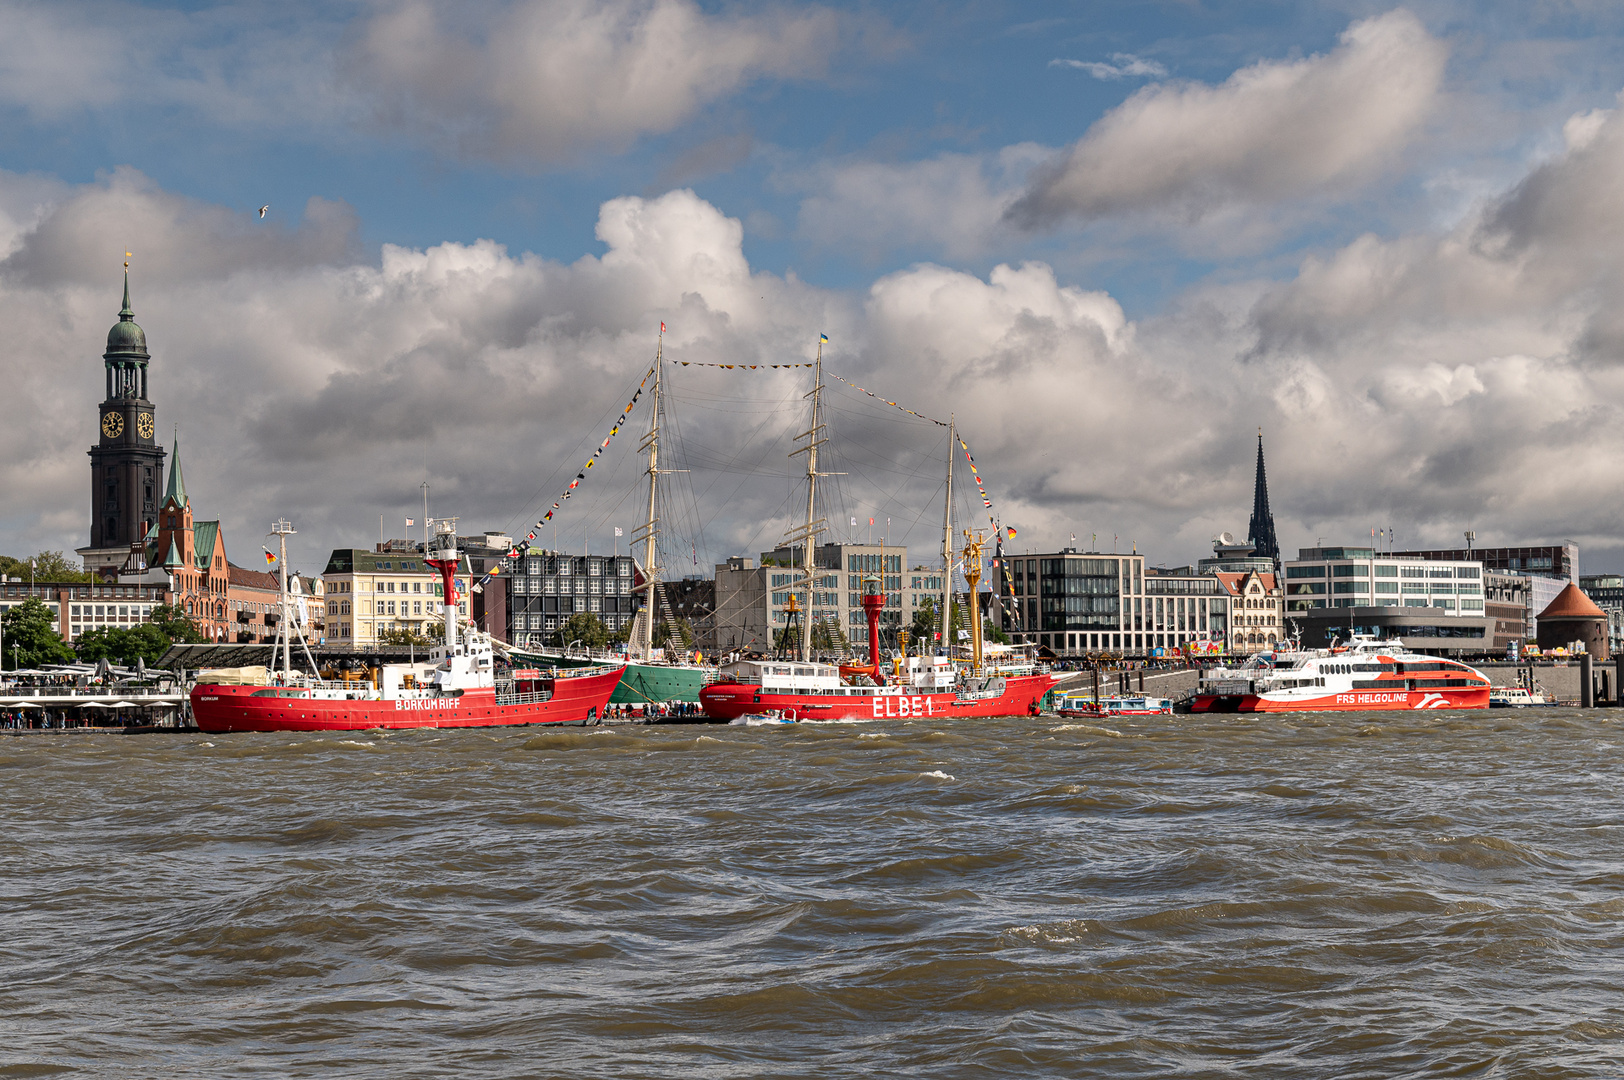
(1350, 896)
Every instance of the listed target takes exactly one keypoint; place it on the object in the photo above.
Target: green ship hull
(642, 683)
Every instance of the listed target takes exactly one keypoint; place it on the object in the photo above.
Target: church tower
(1261, 530)
(126, 464)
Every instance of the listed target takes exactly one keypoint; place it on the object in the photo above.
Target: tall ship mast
(643, 648)
(814, 524)
(649, 679)
(947, 538)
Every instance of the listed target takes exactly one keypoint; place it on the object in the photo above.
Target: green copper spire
(177, 482)
(126, 342)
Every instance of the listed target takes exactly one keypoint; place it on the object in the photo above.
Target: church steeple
(177, 481)
(1260, 532)
(126, 464)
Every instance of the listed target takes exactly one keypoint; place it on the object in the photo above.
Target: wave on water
(1324, 895)
(1110, 733)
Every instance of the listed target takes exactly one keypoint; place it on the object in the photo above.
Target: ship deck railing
(524, 699)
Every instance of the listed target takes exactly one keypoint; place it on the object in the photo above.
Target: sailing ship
(1365, 675)
(464, 683)
(905, 687)
(651, 676)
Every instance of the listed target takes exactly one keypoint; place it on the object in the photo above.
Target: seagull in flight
(264, 208)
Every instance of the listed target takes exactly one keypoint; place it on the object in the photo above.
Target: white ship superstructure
(1366, 674)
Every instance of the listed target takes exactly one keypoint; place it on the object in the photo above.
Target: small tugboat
(1365, 675)
(1518, 697)
(1081, 703)
(460, 686)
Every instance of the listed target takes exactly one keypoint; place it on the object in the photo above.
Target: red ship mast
(444, 557)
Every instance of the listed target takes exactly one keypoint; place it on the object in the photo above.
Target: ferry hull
(1021, 696)
(1344, 701)
(219, 709)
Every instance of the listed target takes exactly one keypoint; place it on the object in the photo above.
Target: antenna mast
(282, 529)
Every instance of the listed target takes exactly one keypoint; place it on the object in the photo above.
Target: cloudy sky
(1114, 239)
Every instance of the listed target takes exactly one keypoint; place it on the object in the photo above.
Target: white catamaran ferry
(1364, 675)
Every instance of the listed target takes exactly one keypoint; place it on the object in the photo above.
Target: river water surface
(1299, 896)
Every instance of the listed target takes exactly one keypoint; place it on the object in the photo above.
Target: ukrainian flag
(823, 339)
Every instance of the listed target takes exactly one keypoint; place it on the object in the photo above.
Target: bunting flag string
(894, 405)
(981, 485)
(740, 367)
(518, 550)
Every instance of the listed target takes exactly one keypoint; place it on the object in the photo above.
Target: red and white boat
(926, 687)
(1366, 675)
(459, 686)
(916, 686)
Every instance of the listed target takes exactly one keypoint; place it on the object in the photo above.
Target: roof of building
(1231, 581)
(203, 534)
(362, 561)
(251, 579)
(173, 558)
(1572, 603)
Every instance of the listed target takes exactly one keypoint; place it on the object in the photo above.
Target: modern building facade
(1338, 577)
(1549, 568)
(1076, 603)
(752, 601)
(551, 586)
(1506, 602)
(1432, 605)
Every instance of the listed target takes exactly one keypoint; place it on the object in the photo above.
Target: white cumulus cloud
(1274, 130)
(540, 80)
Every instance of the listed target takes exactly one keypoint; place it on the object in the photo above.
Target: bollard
(1587, 690)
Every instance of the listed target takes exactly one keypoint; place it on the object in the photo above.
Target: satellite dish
(1226, 538)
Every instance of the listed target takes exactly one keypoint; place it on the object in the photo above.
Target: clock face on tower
(143, 425)
(113, 425)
